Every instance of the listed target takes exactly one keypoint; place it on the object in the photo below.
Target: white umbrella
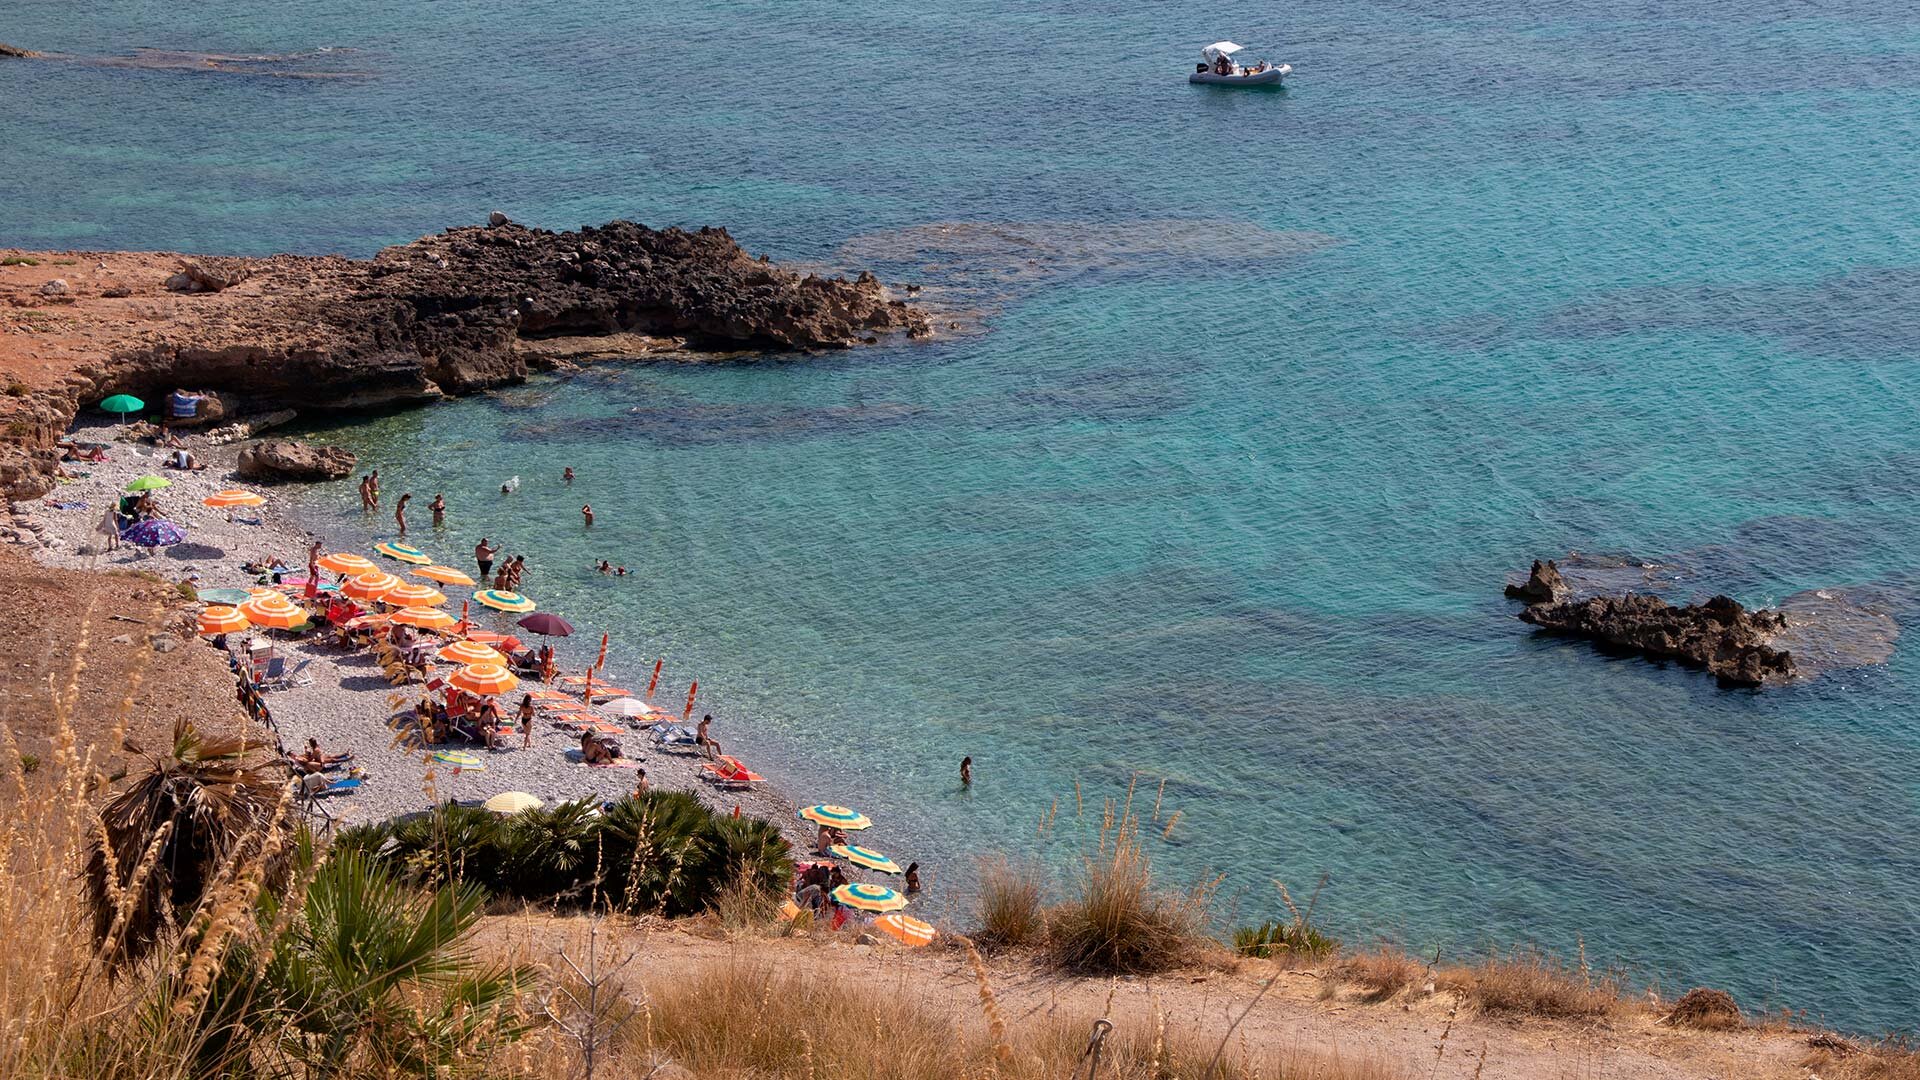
(627, 706)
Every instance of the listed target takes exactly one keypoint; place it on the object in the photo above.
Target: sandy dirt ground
(1430, 1038)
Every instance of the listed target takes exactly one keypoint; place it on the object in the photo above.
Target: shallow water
(1515, 282)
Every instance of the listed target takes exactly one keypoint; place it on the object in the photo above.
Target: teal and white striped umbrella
(500, 600)
(870, 859)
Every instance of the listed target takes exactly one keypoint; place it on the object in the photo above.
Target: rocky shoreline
(463, 311)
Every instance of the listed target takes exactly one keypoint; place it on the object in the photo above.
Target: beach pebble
(121, 639)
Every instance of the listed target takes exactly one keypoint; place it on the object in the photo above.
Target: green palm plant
(450, 843)
(648, 843)
(746, 853)
(205, 803)
(550, 851)
(373, 977)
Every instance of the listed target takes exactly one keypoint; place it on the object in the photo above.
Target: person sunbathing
(595, 750)
(313, 759)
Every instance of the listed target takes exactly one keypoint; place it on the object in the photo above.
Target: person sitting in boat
(1222, 65)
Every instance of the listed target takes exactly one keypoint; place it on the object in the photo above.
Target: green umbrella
(123, 403)
(149, 483)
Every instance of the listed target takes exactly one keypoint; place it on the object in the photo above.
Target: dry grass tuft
(1381, 974)
(1528, 982)
(1838, 1059)
(1705, 1008)
(736, 1020)
(1117, 922)
(1009, 911)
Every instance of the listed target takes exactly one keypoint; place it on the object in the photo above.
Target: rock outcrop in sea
(466, 310)
(1732, 643)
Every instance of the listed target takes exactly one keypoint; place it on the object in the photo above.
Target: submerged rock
(1730, 642)
(290, 460)
(14, 52)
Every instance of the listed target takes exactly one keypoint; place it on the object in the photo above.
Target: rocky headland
(463, 311)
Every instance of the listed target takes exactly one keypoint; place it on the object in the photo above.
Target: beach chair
(727, 772)
(279, 677)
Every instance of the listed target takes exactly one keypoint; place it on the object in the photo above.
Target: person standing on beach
(439, 508)
(373, 488)
(400, 511)
(483, 553)
(966, 772)
(366, 492)
(526, 722)
(586, 511)
(568, 476)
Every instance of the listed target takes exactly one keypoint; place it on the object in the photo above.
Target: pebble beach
(345, 700)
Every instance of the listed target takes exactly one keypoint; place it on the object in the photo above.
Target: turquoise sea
(1274, 389)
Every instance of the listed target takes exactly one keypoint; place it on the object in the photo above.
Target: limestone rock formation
(290, 460)
(14, 52)
(1544, 585)
(458, 312)
(1730, 642)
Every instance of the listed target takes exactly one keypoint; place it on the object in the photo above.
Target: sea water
(1260, 398)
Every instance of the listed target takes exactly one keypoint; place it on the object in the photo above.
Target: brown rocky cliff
(445, 314)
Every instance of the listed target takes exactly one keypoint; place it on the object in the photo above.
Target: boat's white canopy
(1219, 49)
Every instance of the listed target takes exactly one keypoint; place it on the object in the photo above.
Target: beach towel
(81, 505)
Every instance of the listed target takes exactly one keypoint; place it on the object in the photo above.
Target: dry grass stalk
(1009, 907)
(1528, 982)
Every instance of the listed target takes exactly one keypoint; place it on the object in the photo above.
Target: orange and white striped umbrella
(371, 586)
(471, 652)
(220, 619)
(409, 594)
(425, 618)
(909, 930)
(344, 562)
(445, 575)
(484, 679)
(274, 612)
(235, 497)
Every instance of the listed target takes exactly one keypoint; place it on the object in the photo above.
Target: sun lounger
(727, 772)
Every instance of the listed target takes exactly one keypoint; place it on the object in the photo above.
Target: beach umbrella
(484, 679)
(470, 652)
(627, 706)
(460, 759)
(406, 553)
(840, 817)
(868, 858)
(232, 498)
(150, 482)
(409, 594)
(221, 619)
(864, 897)
(154, 534)
(123, 404)
(425, 618)
(341, 562)
(229, 597)
(906, 929)
(274, 612)
(371, 586)
(445, 575)
(500, 600)
(512, 802)
(546, 623)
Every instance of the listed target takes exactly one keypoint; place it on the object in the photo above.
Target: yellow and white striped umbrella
(371, 586)
(864, 897)
(409, 594)
(907, 929)
(470, 652)
(220, 619)
(406, 553)
(444, 575)
(342, 562)
(274, 612)
(425, 618)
